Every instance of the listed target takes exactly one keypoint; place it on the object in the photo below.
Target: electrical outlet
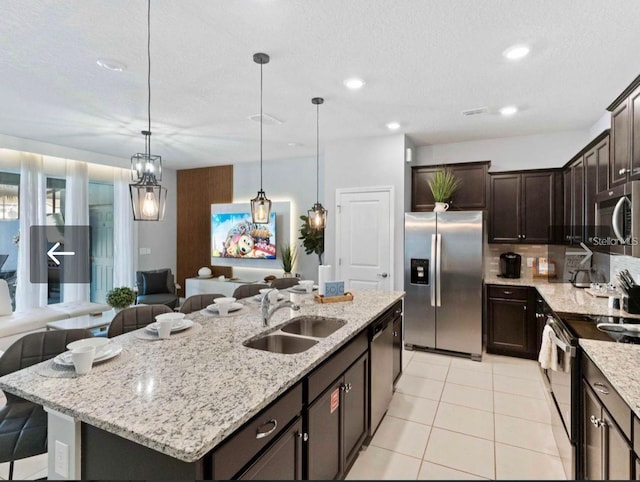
(61, 459)
(530, 262)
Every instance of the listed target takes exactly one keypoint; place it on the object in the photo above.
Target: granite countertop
(619, 363)
(182, 397)
(563, 297)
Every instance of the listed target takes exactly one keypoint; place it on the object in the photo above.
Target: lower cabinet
(283, 460)
(397, 349)
(511, 323)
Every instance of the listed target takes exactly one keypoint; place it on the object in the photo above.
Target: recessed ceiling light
(354, 83)
(509, 110)
(393, 126)
(516, 52)
(112, 65)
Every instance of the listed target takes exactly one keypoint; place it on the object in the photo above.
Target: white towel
(547, 349)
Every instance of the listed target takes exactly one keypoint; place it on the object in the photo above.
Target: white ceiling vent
(267, 120)
(477, 111)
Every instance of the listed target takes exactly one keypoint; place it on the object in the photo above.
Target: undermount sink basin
(315, 326)
(281, 344)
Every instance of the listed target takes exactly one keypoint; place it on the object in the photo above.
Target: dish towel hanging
(547, 349)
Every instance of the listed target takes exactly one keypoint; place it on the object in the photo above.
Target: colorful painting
(234, 235)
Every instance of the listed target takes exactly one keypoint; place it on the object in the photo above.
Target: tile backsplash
(617, 263)
(493, 252)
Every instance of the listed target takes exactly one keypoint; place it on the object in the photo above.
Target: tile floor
(453, 418)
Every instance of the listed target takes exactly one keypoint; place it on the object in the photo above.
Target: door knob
(383, 275)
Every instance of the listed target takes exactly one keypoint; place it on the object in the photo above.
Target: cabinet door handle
(304, 436)
(623, 171)
(398, 311)
(596, 421)
(260, 434)
(601, 387)
(524, 307)
(346, 387)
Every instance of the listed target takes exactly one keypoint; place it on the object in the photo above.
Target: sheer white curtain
(76, 213)
(32, 213)
(124, 258)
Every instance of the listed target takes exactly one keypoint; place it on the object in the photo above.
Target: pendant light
(148, 197)
(260, 205)
(317, 215)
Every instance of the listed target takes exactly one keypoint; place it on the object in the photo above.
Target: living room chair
(23, 424)
(134, 318)
(247, 290)
(198, 302)
(284, 283)
(156, 287)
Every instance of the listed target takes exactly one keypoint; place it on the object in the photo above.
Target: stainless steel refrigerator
(444, 273)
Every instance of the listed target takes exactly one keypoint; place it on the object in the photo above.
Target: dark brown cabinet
(624, 149)
(471, 195)
(283, 460)
(574, 211)
(596, 167)
(355, 399)
(523, 207)
(511, 323)
(397, 349)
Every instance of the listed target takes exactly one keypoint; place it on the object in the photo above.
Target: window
(9, 229)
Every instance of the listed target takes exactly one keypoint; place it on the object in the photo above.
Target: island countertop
(183, 396)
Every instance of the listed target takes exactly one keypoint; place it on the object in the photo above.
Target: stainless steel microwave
(618, 220)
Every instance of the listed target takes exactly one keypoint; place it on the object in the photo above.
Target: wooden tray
(348, 296)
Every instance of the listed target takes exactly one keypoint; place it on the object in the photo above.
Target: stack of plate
(105, 350)
(178, 325)
(235, 306)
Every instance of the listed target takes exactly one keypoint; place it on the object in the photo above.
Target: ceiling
(423, 63)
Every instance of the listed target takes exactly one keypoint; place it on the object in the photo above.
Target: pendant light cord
(149, 72)
(261, 119)
(317, 153)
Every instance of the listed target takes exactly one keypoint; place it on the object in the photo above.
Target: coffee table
(90, 322)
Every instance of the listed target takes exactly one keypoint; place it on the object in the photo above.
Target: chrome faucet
(265, 305)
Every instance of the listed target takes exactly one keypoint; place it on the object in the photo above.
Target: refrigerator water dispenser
(419, 271)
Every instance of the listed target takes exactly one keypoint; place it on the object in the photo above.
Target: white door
(101, 222)
(364, 234)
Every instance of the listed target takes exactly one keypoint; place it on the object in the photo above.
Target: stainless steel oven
(618, 220)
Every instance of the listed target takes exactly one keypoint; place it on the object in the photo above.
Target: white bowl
(224, 300)
(99, 343)
(174, 317)
(204, 271)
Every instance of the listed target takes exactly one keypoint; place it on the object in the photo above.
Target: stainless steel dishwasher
(381, 340)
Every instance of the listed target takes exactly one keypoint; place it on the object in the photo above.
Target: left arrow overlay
(52, 253)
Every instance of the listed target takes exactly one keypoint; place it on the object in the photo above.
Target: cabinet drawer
(508, 292)
(323, 376)
(247, 442)
(613, 402)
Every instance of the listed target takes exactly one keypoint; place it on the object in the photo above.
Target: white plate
(113, 350)
(205, 277)
(259, 297)
(233, 307)
(178, 325)
(300, 289)
(101, 344)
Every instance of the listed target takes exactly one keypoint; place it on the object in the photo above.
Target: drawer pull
(596, 421)
(260, 434)
(398, 311)
(601, 387)
(346, 388)
(507, 292)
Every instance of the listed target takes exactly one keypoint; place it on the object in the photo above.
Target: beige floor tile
(521, 407)
(402, 436)
(375, 463)
(434, 358)
(513, 463)
(461, 376)
(470, 421)
(412, 408)
(528, 371)
(506, 359)
(462, 452)
(420, 387)
(518, 386)
(526, 434)
(467, 364)
(426, 370)
(468, 396)
(430, 471)
(26, 469)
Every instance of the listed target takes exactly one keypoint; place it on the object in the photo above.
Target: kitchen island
(183, 397)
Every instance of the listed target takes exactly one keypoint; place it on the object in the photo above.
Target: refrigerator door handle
(438, 269)
(432, 269)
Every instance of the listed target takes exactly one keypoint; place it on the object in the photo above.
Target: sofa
(14, 325)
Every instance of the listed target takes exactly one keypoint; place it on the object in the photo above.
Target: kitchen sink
(281, 344)
(315, 326)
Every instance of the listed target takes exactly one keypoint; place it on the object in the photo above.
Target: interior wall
(509, 153)
(367, 162)
(292, 180)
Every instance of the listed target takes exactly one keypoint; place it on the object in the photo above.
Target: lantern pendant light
(317, 215)
(261, 205)
(148, 197)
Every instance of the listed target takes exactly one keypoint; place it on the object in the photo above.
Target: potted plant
(443, 184)
(312, 239)
(288, 254)
(120, 298)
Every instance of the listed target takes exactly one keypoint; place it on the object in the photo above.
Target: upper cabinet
(624, 162)
(523, 206)
(471, 195)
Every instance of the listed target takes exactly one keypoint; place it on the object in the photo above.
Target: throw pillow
(154, 282)
(5, 299)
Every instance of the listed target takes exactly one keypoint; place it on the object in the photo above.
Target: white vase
(440, 207)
